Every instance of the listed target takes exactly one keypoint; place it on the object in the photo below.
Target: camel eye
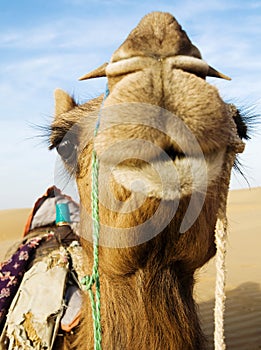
(67, 150)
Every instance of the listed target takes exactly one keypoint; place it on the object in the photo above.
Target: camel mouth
(175, 176)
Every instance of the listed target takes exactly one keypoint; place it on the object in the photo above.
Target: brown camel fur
(163, 144)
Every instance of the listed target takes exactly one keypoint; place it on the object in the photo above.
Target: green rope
(94, 280)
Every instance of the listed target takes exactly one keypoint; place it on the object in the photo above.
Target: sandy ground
(11, 228)
(243, 291)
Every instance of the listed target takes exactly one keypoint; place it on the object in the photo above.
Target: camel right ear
(63, 102)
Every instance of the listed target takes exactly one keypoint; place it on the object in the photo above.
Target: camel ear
(63, 102)
(96, 73)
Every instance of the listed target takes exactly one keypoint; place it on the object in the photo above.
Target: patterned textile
(12, 271)
(34, 315)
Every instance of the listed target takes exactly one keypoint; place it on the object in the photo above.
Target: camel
(166, 143)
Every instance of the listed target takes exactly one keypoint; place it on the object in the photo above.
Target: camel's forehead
(157, 34)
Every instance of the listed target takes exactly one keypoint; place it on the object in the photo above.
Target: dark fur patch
(246, 120)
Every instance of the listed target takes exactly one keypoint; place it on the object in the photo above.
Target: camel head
(164, 138)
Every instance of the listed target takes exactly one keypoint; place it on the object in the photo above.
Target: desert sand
(243, 290)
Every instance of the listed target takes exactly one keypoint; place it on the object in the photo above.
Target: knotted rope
(220, 297)
(89, 282)
(221, 239)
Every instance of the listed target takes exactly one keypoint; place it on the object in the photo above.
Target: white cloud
(67, 33)
(26, 165)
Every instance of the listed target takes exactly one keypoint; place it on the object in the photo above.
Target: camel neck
(148, 310)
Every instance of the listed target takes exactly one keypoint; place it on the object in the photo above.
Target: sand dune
(243, 292)
(243, 304)
(12, 226)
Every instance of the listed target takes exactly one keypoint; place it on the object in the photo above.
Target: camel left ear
(96, 73)
(63, 102)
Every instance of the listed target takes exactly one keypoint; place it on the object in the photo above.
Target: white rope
(220, 296)
(221, 240)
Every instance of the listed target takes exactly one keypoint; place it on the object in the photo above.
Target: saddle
(40, 292)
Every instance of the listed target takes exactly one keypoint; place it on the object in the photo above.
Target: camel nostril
(173, 154)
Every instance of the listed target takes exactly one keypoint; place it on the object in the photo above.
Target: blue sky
(49, 44)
